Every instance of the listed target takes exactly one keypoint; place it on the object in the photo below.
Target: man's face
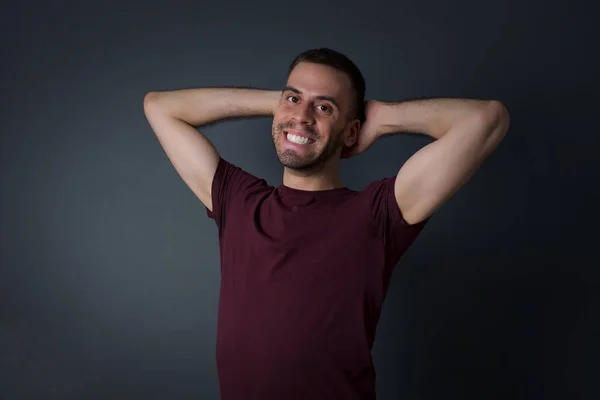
(309, 126)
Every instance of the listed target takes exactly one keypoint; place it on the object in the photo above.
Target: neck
(325, 178)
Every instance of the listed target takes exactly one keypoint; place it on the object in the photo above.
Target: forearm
(203, 106)
(432, 117)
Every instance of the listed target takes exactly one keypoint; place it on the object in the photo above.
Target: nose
(304, 114)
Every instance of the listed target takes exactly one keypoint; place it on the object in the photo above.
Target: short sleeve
(230, 188)
(397, 234)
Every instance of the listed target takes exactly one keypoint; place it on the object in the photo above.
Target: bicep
(435, 173)
(193, 156)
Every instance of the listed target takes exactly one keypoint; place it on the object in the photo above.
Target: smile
(298, 139)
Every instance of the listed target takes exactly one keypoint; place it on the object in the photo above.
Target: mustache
(282, 126)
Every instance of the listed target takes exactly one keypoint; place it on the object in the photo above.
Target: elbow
(154, 104)
(150, 100)
(498, 119)
(499, 110)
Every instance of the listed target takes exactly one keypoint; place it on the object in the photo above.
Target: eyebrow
(321, 97)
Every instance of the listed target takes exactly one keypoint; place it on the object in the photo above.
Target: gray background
(110, 269)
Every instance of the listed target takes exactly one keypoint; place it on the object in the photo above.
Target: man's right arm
(175, 116)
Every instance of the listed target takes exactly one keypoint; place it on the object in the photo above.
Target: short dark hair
(341, 62)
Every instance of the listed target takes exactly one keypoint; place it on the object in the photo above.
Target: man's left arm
(466, 133)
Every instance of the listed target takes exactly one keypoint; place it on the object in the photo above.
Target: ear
(352, 132)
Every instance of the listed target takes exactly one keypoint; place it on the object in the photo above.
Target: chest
(316, 249)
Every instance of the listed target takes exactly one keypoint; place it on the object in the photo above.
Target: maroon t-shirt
(303, 278)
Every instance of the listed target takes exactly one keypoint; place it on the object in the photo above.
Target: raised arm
(175, 116)
(466, 133)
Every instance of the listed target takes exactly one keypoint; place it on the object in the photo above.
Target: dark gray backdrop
(110, 269)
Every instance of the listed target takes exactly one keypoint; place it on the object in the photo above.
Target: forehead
(321, 80)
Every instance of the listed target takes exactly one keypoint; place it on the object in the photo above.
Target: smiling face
(312, 124)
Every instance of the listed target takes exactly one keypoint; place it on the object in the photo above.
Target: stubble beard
(313, 160)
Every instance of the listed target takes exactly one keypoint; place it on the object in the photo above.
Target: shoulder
(233, 187)
(231, 175)
(378, 192)
(379, 195)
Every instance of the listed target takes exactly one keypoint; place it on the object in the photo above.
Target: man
(306, 265)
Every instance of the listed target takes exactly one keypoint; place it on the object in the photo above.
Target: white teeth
(297, 139)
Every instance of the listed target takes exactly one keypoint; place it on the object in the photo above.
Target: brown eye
(293, 99)
(324, 108)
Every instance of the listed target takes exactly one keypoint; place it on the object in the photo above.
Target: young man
(306, 265)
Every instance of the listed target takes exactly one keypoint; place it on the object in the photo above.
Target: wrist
(404, 117)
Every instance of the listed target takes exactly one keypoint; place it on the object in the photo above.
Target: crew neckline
(300, 193)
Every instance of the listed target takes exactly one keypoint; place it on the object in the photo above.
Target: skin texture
(319, 107)
(318, 104)
(315, 104)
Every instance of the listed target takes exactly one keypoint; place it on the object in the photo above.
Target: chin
(291, 161)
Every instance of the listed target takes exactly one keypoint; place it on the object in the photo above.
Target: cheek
(276, 123)
(327, 130)
(278, 120)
